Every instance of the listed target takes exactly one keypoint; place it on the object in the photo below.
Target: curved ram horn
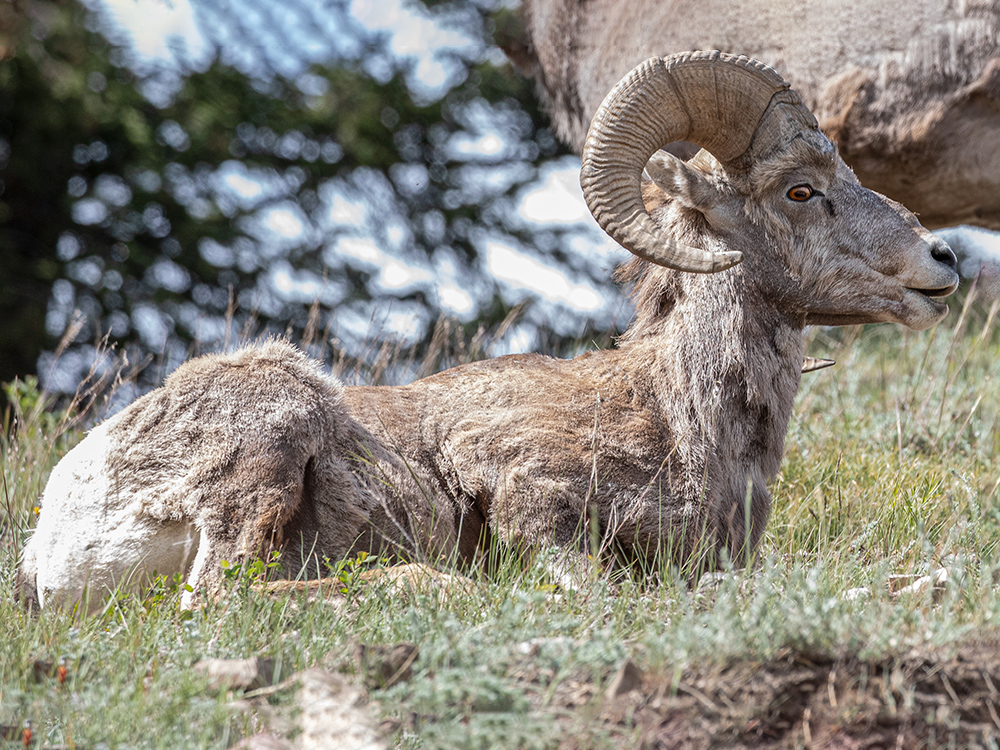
(715, 100)
(811, 364)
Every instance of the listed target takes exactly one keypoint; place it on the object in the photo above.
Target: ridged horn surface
(712, 99)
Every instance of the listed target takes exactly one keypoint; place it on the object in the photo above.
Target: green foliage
(255, 570)
(240, 576)
(348, 571)
(28, 404)
(164, 591)
(118, 217)
(33, 436)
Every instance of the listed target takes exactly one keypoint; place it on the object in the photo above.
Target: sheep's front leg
(205, 574)
(549, 519)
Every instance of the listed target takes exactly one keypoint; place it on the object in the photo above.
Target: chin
(915, 310)
(921, 312)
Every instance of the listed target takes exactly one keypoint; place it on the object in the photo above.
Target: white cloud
(415, 36)
(392, 273)
(346, 211)
(152, 327)
(234, 176)
(360, 248)
(466, 145)
(89, 211)
(284, 222)
(456, 300)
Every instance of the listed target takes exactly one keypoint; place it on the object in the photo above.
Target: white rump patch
(89, 538)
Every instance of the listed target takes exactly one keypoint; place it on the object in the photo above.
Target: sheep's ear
(688, 185)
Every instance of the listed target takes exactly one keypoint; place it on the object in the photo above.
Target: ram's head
(768, 189)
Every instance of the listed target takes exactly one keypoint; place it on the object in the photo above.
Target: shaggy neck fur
(726, 364)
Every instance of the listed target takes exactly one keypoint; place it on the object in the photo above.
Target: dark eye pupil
(800, 193)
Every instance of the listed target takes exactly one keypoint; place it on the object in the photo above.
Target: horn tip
(724, 260)
(693, 261)
(811, 364)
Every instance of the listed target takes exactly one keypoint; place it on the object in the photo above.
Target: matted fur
(235, 455)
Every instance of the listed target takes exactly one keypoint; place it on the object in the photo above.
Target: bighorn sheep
(655, 448)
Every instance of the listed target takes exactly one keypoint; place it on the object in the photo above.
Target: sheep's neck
(728, 369)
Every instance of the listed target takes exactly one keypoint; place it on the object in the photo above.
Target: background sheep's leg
(252, 501)
(309, 508)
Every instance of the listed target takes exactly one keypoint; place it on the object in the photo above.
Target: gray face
(814, 240)
(873, 262)
(857, 256)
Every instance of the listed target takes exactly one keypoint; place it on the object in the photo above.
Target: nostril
(943, 254)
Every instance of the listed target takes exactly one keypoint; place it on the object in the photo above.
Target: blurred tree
(280, 183)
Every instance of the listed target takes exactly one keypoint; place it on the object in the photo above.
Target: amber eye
(800, 193)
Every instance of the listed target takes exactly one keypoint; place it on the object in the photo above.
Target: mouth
(935, 294)
(934, 298)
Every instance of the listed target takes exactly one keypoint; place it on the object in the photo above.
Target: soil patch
(923, 699)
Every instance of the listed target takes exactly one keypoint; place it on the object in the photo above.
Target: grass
(891, 473)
